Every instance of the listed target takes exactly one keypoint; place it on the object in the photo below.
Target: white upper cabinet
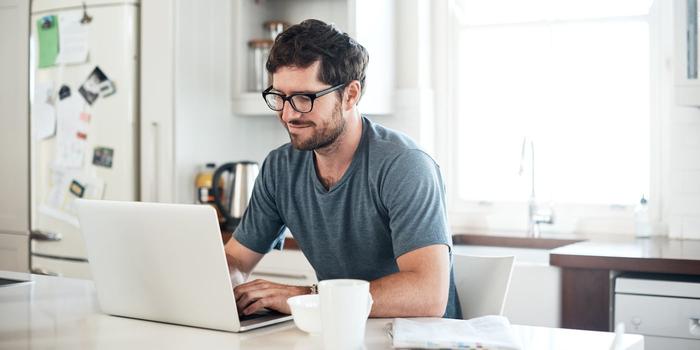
(371, 23)
(687, 79)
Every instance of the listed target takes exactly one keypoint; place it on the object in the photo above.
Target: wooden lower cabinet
(586, 299)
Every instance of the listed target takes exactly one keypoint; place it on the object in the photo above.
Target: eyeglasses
(302, 103)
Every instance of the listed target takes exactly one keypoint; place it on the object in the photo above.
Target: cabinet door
(14, 109)
(157, 101)
(14, 252)
(687, 80)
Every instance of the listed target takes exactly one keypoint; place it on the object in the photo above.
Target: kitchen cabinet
(185, 111)
(286, 267)
(371, 23)
(14, 252)
(687, 78)
(589, 269)
(14, 135)
(157, 96)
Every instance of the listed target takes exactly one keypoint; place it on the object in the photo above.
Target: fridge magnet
(103, 157)
(107, 89)
(77, 189)
(97, 84)
(63, 92)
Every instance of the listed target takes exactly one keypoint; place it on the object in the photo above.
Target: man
(362, 201)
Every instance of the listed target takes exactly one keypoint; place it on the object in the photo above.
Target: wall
(680, 147)
(203, 91)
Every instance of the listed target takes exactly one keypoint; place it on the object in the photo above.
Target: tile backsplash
(682, 212)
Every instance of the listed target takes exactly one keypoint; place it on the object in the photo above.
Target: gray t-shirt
(390, 201)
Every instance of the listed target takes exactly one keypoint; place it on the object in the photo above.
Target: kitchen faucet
(535, 215)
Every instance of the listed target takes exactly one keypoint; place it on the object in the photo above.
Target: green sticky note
(47, 27)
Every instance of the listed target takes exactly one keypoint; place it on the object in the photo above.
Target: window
(574, 77)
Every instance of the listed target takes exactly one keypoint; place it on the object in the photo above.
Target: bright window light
(573, 78)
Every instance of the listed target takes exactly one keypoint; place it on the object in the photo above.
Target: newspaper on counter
(487, 332)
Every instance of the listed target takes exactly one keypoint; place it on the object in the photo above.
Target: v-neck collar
(348, 173)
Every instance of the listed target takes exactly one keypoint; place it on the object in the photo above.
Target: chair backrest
(482, 283)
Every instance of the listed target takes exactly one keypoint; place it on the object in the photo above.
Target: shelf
(374, 29)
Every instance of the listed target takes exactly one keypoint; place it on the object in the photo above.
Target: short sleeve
(261, 226)
(413, 193)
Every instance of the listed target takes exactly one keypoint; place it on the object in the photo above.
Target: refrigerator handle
(37, 235)
(154, 180)
(43, 271)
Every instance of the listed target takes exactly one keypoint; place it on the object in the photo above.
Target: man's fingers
(257, 294)
(253, 296)
(244, 288)
(257, 305)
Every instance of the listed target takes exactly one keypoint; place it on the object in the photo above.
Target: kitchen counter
(659, 255)
(61, 313)
(589, 268)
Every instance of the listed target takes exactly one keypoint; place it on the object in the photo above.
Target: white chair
(482, 283)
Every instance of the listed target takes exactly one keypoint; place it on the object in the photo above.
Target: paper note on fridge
(43, 112)
(65, 187)
(71, 133)
(73, 38)
(47, 30)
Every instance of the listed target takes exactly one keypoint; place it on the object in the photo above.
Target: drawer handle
(37, 235)
(694, 326)
(45, 272)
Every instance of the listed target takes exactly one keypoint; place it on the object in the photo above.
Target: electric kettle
(232, 187)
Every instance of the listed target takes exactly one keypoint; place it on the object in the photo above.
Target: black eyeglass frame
(311, 96)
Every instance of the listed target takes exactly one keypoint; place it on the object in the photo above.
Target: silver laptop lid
(161, 262)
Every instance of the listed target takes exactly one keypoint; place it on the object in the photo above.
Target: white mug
(345, 306)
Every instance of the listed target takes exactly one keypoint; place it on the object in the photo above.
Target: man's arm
(241, 260)
(419, 289)
(255, 295)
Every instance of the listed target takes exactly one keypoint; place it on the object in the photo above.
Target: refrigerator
(84, 121)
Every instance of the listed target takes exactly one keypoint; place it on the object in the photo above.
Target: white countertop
(62, 313)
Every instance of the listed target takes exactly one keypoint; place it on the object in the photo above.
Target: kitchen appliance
(663, 308)
(234, 188)
(136, 275)
(84, 121)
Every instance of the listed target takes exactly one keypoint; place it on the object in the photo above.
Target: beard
(323, 136)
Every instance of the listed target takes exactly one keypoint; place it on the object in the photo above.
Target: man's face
(318, 128)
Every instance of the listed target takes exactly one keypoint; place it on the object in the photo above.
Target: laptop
(162, 262)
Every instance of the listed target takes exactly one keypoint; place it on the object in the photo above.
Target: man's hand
(255, 295)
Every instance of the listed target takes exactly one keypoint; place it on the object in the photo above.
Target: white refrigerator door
(113, 123)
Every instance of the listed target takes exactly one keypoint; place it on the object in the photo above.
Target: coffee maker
(232, 187)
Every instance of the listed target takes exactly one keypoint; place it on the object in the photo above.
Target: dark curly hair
(341, 58)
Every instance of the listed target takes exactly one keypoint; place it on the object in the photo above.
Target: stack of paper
(488, 332)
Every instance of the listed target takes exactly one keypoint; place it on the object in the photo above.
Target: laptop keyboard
(258, 314)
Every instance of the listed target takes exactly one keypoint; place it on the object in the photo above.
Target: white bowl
(306, 312)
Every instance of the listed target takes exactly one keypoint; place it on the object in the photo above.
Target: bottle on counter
(642, 223)
(203, 183)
